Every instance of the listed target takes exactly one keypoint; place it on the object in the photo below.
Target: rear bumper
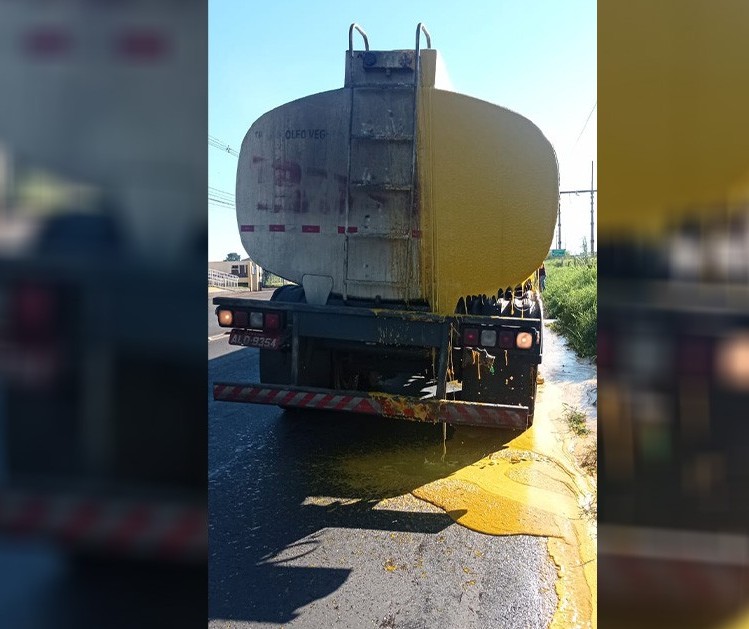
(136, 527)
(382, 404)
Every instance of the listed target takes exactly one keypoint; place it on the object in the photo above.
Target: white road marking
(216, 337)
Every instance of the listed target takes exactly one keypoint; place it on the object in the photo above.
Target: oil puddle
(495, 484)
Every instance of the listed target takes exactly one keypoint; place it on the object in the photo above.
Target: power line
(219, 203)
(220, 198)
(220, 193)
(586, 124)
(223, 146)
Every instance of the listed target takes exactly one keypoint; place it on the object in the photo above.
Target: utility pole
(592, 191)
(592, 229)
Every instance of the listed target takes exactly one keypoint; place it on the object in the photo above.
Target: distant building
(248, 273)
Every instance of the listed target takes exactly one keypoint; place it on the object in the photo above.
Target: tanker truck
(411, 221)
(102, 224)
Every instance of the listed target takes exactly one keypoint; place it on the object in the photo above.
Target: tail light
(272, 321)
(470, 336)
(524, 340)
(253, 320)
(506, 339)
(34, 305)
(488, 338)
(225, 318)
(34, 309)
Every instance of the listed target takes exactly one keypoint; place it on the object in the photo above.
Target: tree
(232, 257)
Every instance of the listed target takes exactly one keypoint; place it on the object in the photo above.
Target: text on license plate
(254, 339)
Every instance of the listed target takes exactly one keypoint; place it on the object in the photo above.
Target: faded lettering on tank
(287, 173)
(305, 134)
(287, 192)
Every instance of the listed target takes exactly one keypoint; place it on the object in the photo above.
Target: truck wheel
(290, 293)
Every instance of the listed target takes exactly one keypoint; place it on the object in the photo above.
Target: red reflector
(507, 340)
(272, 321)
(142, 45)
(470, 336)
(34, 306)
(240, 319)
(47, 42)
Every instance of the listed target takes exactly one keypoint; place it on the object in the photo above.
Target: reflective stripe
(431, 410)
(129, 527)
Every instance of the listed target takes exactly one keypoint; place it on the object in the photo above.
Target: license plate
(255, 339)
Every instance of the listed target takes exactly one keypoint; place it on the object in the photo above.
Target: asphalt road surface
(291, 545)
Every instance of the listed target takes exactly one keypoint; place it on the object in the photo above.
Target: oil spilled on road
(493, 483)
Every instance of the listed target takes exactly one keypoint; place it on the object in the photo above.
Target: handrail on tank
(351, 38)
(419, 28)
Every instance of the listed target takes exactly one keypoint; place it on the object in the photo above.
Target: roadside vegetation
(273, 281)
(575, 420)
(571, 298)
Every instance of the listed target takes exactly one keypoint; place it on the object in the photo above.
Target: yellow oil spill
(513, 492)
(489, 189)
(526, 486)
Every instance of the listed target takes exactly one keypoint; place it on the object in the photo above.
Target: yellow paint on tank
(488, 195)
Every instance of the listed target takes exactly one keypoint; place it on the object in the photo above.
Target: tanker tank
(392, 188)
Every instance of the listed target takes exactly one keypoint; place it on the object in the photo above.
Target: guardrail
(221, 279)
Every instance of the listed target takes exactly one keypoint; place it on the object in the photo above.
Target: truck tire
(290, 293)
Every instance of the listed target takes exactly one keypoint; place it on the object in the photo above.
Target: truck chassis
(386, 360)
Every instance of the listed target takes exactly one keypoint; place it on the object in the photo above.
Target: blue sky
(536, 58)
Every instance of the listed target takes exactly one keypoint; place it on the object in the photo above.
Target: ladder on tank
(381, 222)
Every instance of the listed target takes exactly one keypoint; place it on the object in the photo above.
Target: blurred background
(103, 185)
(673, 304)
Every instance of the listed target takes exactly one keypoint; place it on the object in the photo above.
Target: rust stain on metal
(397, 406)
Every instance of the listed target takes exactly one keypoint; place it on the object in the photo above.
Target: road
(293, 544)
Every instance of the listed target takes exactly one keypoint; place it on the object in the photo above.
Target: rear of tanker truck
(411, 220)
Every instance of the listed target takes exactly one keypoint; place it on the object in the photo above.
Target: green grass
(571, 298)
(575, 420)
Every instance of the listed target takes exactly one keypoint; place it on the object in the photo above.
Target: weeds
(589, 459)
(570, 297)
(575, 419)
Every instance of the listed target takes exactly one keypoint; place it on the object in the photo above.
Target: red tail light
(272, 321)
(470, 336)
(34, 307)
(240, 319)
(507, 339)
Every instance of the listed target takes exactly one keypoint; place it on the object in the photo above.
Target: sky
(535, 58)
